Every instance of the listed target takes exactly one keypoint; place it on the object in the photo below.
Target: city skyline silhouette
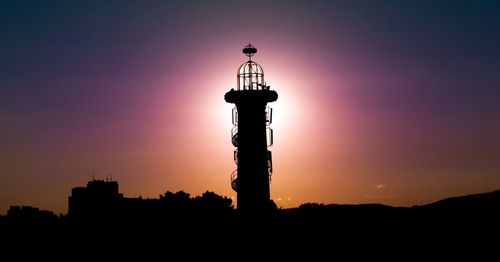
(390, 103)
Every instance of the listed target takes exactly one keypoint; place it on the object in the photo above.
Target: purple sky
(380, 101)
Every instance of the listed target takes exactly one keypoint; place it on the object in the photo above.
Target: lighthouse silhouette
(252, 136)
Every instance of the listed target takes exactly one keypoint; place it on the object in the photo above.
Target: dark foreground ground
(457, 228)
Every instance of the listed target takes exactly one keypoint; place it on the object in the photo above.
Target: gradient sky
(396, 102)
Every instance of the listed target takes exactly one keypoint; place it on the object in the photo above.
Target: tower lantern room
(250, 74)
(252, 135)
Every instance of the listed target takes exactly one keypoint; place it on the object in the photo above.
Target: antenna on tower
(249, 51)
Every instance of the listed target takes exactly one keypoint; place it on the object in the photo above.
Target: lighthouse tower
(252, 136)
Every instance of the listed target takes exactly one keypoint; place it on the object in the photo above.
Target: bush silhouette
(210, 201)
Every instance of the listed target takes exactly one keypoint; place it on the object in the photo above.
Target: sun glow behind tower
(252, 136)
(370, 94)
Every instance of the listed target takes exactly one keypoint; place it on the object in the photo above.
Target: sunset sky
(395, 102)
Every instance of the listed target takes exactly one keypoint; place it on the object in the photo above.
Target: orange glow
(363, 114)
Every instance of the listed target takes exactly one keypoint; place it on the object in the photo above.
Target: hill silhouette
(484, 201)
(178, 224)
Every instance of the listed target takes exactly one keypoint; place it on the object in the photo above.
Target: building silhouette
(29, 214)
(98, 198)
(101, 199)
(252, 136)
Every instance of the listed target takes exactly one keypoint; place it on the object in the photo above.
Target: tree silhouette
(211, 202)
(179, 199)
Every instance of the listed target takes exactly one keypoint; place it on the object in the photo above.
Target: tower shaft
(253, 162)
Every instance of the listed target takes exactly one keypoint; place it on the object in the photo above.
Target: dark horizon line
(446, 200)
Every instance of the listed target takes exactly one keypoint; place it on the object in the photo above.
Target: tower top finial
(249, 51)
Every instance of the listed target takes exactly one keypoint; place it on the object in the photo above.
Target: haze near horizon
(387, 102)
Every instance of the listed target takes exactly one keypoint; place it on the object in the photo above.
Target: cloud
(381, 186)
